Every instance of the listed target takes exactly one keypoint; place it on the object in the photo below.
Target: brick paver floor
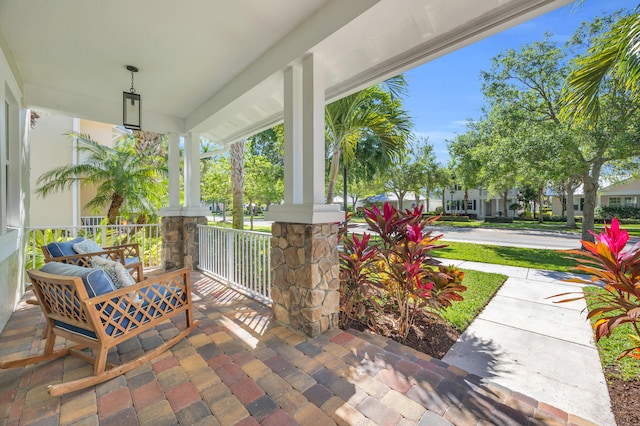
(241, 368)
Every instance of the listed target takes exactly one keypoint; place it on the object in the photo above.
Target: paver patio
(241, 368)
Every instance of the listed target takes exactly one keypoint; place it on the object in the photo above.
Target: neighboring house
(49, 138)
(479, 202)
(624, 193)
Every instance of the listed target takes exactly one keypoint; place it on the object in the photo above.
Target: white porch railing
(148, 237)
(242, 259)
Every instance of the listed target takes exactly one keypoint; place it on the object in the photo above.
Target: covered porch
(241, 367)
(222, 71)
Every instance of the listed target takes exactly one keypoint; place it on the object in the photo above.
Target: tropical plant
(375, 112)
(616, 53)
(399, 269)
(617, 273)
(125, 181)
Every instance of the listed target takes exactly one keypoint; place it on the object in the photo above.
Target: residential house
(624, 193)
(479, 202)
(49, 137)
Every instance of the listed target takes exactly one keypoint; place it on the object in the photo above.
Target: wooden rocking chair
(102, 322)
(127, 254)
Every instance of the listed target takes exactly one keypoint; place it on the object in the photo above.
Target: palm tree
(373, 112)
(125, 181)
(616, 53)
(236, 152)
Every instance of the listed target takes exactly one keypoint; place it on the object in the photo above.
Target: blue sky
(446, 92)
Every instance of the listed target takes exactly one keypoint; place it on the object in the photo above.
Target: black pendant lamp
(131, 105)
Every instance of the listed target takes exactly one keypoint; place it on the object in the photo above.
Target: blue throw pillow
(118, 274)
(95, 280)
(64, 248)
(87, 246)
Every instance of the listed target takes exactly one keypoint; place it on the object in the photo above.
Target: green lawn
(513, 256)
(610, 347)
(481, 286)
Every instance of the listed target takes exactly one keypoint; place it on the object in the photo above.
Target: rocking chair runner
(101, 322)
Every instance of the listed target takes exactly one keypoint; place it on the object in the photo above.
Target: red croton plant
(396, 273)
(618, 273)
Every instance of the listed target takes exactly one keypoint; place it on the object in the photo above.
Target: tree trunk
(237, 183)
(466, 198)
(590, 185)
(251, 212)
(540, 191)
(114, 208)
(427, 196)
(443, 202)
(333, 175)
(571, 218)
(505, 194)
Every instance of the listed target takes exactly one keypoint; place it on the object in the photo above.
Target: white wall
(51, 148)
(14, 157)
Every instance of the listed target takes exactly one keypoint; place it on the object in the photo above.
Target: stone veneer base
(180, 241)
(305, 276)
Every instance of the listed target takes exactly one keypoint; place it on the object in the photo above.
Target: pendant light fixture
(131, 105)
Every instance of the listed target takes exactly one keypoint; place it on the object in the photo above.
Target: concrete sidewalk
(525, 342)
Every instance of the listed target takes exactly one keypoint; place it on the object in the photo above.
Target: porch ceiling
(215, 66)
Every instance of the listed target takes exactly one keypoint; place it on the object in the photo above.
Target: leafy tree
(263, 182)
(464, 164)
(215, 183)
(125, 181)
(524, 90)
(375, 112)
(424, 170)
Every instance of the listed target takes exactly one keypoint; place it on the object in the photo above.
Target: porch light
(131, 105)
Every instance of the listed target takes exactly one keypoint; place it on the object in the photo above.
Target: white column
(174, 170)
(192, 177)
(313, 131)
(304, 148)
(293, 135)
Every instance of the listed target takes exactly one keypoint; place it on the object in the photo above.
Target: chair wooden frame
(102, 322)
(116, 253)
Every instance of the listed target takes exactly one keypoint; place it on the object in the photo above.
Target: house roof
(215, 67)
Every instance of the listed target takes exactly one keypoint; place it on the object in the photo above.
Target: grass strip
(610, 347)
(550, 260)
(481, 287)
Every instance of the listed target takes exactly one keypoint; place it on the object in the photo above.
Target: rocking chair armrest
(130, 250)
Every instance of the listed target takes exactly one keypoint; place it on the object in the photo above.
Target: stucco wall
(50, 147)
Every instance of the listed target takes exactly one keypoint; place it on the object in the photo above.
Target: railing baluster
(242, 259)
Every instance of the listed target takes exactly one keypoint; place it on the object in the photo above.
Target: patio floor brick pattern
(241, 368)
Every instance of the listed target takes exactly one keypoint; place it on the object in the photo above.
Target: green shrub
(621, 212)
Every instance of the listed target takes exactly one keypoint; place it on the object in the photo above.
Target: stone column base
(305, 276)
(180, 247)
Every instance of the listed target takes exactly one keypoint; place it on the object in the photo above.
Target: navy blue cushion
(64, 248)
(95, 280)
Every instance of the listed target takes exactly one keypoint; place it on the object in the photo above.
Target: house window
(630, 201)
(614, 202)
(10, 204)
